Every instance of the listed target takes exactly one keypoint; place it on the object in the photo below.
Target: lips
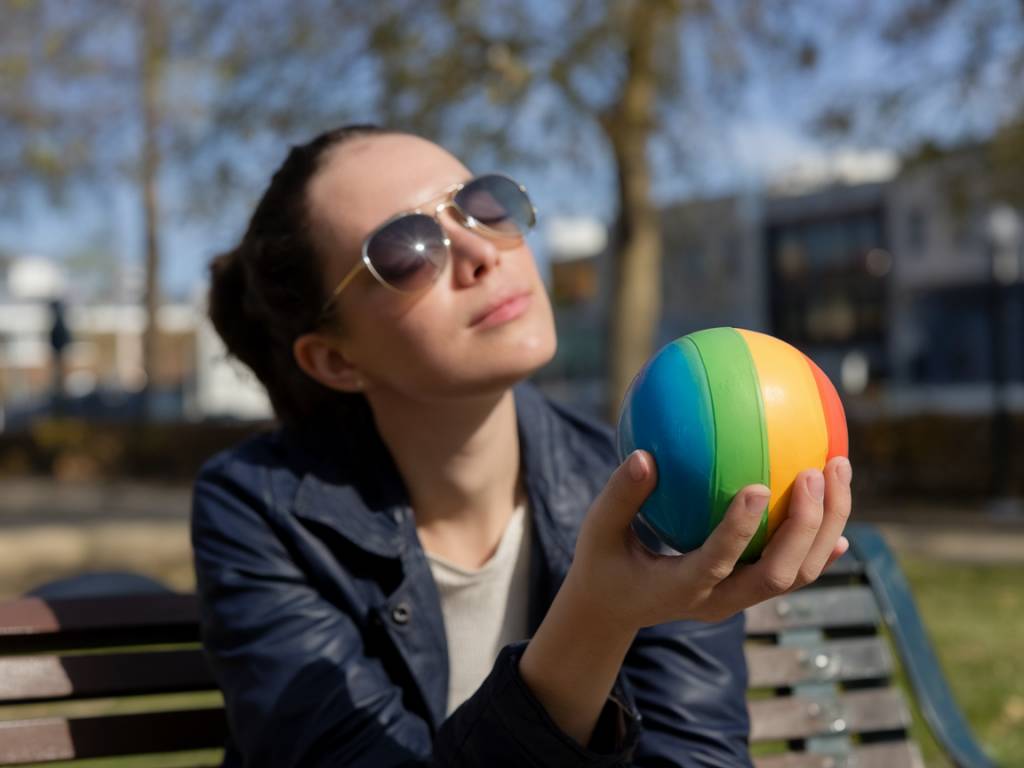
(502, 309)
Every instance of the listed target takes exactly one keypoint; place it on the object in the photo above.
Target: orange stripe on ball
(835, 416)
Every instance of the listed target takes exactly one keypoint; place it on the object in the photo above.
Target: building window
(916, 232)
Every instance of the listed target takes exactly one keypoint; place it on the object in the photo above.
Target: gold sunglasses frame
(447, 198)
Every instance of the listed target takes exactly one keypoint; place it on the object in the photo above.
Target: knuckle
(719, 570)
(805, 576)
(841, 511)
(744, 530)
(808, 521)
(775, 583)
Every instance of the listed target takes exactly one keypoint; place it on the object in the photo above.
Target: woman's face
(448, 340)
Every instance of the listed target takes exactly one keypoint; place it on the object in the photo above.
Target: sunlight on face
(484, 324)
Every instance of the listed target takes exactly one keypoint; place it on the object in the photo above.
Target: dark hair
(269, 289)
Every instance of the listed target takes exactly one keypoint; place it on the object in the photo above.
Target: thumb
(629, 485)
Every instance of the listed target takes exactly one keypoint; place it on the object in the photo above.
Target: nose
(473, 254)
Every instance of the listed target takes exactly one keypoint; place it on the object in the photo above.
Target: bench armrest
(886, 579)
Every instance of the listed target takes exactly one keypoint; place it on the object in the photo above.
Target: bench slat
(818, 607)
(50, 739)
(33, 615)
(837, 660)
(36, 624)
(847, 565)
(899, 754)
(41, 678)
(800, 717)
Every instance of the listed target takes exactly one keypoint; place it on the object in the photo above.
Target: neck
(460, 463)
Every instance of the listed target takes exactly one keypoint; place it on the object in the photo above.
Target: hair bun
(230, 310)
(265, 292)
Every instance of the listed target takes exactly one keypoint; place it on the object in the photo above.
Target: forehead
(365, 181)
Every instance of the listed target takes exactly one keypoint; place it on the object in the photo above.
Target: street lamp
(1005, 233)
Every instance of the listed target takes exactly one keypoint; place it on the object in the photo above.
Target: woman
(407, 570)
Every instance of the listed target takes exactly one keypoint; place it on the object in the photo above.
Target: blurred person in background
(60, 338)
(429, 562)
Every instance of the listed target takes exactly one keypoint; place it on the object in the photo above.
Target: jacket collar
(349, 481)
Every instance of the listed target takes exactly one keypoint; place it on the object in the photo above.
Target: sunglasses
(408, 251)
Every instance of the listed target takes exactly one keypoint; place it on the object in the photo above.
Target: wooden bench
(820, 675)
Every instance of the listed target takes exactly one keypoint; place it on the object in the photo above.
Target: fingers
(716, 559)
(617, 505)
(836, 512)
(778, 569)
(841, 548)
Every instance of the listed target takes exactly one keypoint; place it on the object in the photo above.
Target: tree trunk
(151, 56)
(629, 124)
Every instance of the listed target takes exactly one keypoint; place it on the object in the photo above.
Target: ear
(321, 357)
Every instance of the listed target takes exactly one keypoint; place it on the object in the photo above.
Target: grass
(204, 757)
(975, 618)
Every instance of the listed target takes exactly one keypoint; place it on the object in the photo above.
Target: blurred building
(956, 316)
(103, 362)
(579, 285)
(829, 271)
(890, 285)
(713, 272)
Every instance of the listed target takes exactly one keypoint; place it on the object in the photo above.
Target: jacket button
(400, 613)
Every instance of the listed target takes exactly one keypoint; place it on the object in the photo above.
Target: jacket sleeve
(300, 689)
(689, 682)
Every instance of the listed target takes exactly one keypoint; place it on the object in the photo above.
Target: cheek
(542, 338)
(392, 341)
(424, 346)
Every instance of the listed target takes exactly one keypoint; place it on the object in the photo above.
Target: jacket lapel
(361, 496)
(542, 460)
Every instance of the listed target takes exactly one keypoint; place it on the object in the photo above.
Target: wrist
(594, 611)
(572, 661)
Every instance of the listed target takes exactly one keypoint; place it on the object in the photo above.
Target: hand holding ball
(721, 409)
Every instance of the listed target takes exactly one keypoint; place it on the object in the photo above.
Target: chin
(537, 357)
(504, 366)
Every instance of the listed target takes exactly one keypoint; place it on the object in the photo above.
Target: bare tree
(622, 80)
(954, 74)
(584, 82)
(107, 92)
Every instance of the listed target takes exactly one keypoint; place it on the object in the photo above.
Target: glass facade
(828, 280)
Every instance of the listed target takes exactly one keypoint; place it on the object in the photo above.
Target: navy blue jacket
(323, 625)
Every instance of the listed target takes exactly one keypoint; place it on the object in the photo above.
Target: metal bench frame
(910, 638)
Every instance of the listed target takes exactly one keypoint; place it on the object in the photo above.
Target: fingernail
(844, 470)
(756, 502)
(816, 486)
(637, 466)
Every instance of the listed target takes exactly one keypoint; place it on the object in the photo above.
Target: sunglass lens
(409, 253)
(498, 203)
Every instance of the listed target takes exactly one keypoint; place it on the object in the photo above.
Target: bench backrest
(105, 676)
(821, 689)
(821, 679)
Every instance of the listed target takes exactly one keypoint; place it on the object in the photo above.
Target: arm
(616, 586)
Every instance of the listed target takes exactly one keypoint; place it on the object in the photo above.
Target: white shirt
(486, 609)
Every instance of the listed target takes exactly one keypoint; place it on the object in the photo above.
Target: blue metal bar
(900, 615)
